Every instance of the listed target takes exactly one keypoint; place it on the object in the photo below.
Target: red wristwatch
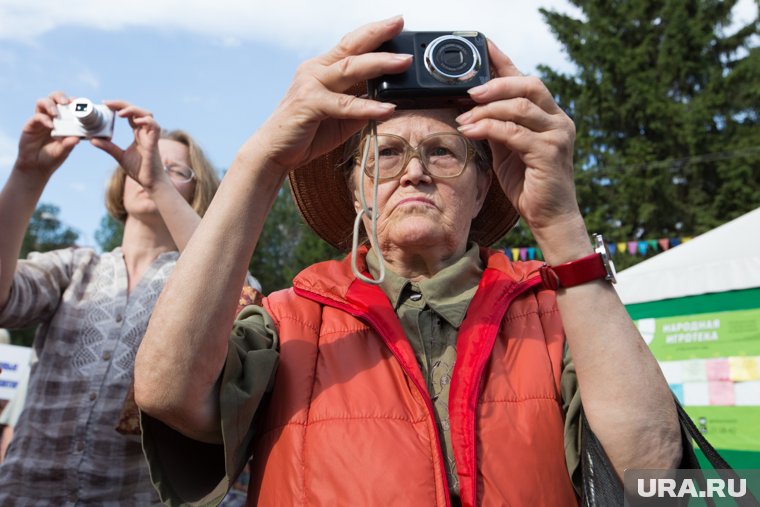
(583, 270)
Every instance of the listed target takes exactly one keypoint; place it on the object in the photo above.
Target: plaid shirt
(65, 449)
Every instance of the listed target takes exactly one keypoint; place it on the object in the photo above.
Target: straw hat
(324, 201)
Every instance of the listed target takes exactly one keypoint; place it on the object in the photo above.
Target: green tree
(109, 233)
(45, 232)
(286, 246)
(665, 103)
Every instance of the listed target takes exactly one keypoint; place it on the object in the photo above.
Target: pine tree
(665, 103)
(46, 231)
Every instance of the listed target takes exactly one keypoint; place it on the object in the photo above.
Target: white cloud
(307, 26)
(304, 26)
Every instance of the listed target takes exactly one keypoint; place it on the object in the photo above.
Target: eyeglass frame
(169, 171)
(411, 152)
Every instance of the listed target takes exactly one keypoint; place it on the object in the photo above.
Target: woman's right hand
(315, 115)
(141, 160)
(40, 154)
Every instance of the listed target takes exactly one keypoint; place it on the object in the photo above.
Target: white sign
(14, 362)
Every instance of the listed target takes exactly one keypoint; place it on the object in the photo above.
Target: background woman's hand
(531, 139)
(39, 153)
(141, 160)
(315, 115)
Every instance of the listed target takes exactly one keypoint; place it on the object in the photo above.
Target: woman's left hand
(531, 140)
(141, 160)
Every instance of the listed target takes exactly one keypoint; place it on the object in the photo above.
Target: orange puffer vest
(351, 422)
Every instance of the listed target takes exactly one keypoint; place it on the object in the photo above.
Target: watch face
(600, 247)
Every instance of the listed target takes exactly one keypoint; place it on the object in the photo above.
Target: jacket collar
(333, 279)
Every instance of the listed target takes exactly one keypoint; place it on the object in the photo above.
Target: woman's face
(173, 153)
(417, 209)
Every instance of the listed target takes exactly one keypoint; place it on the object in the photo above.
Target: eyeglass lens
(179, 173)
(443, 155)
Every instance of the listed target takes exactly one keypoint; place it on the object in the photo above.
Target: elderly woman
(92, 308)
(448, 383)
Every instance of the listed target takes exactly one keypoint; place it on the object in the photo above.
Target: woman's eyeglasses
(179, 173)
(443, 155)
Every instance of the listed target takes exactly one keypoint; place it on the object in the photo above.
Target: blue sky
(215, 69)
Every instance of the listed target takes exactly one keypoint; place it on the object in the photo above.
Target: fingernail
(465, 128)
(464, 118)
(393, 20)
(478, 90)
(402, 57)
(387, 106)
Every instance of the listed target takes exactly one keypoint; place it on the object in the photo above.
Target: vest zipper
(521, 288)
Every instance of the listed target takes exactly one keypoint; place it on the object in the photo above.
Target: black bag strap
(711, 454)
(602, 487)
(722, 468)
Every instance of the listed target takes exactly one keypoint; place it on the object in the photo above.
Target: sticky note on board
(718, 369)
(747, 393)
(694, 370)
(696, 394)
(721, 392)
(677, 391)
(743, 369)
(673, 371)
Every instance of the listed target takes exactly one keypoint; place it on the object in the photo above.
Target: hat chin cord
(369, 211)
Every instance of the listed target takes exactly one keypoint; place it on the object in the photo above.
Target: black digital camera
(446, 65)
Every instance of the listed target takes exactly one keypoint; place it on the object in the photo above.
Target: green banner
(704, 335)
(711, 361)
(729, 427)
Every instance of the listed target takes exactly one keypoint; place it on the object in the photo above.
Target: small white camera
(82, 118)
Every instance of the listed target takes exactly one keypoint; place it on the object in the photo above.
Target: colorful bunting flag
(641, 247)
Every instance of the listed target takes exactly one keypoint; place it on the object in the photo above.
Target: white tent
(724, 259)
(697, 307)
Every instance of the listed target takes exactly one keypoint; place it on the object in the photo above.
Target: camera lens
(452, 59)
(87, 114)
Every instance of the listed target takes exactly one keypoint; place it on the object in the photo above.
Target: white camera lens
(87, 114)
(452, 59)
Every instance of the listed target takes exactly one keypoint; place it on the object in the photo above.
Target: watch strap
(577, 272)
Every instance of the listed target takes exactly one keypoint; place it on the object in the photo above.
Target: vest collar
(333, 279)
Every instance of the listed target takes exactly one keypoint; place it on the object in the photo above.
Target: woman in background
(92, 309)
